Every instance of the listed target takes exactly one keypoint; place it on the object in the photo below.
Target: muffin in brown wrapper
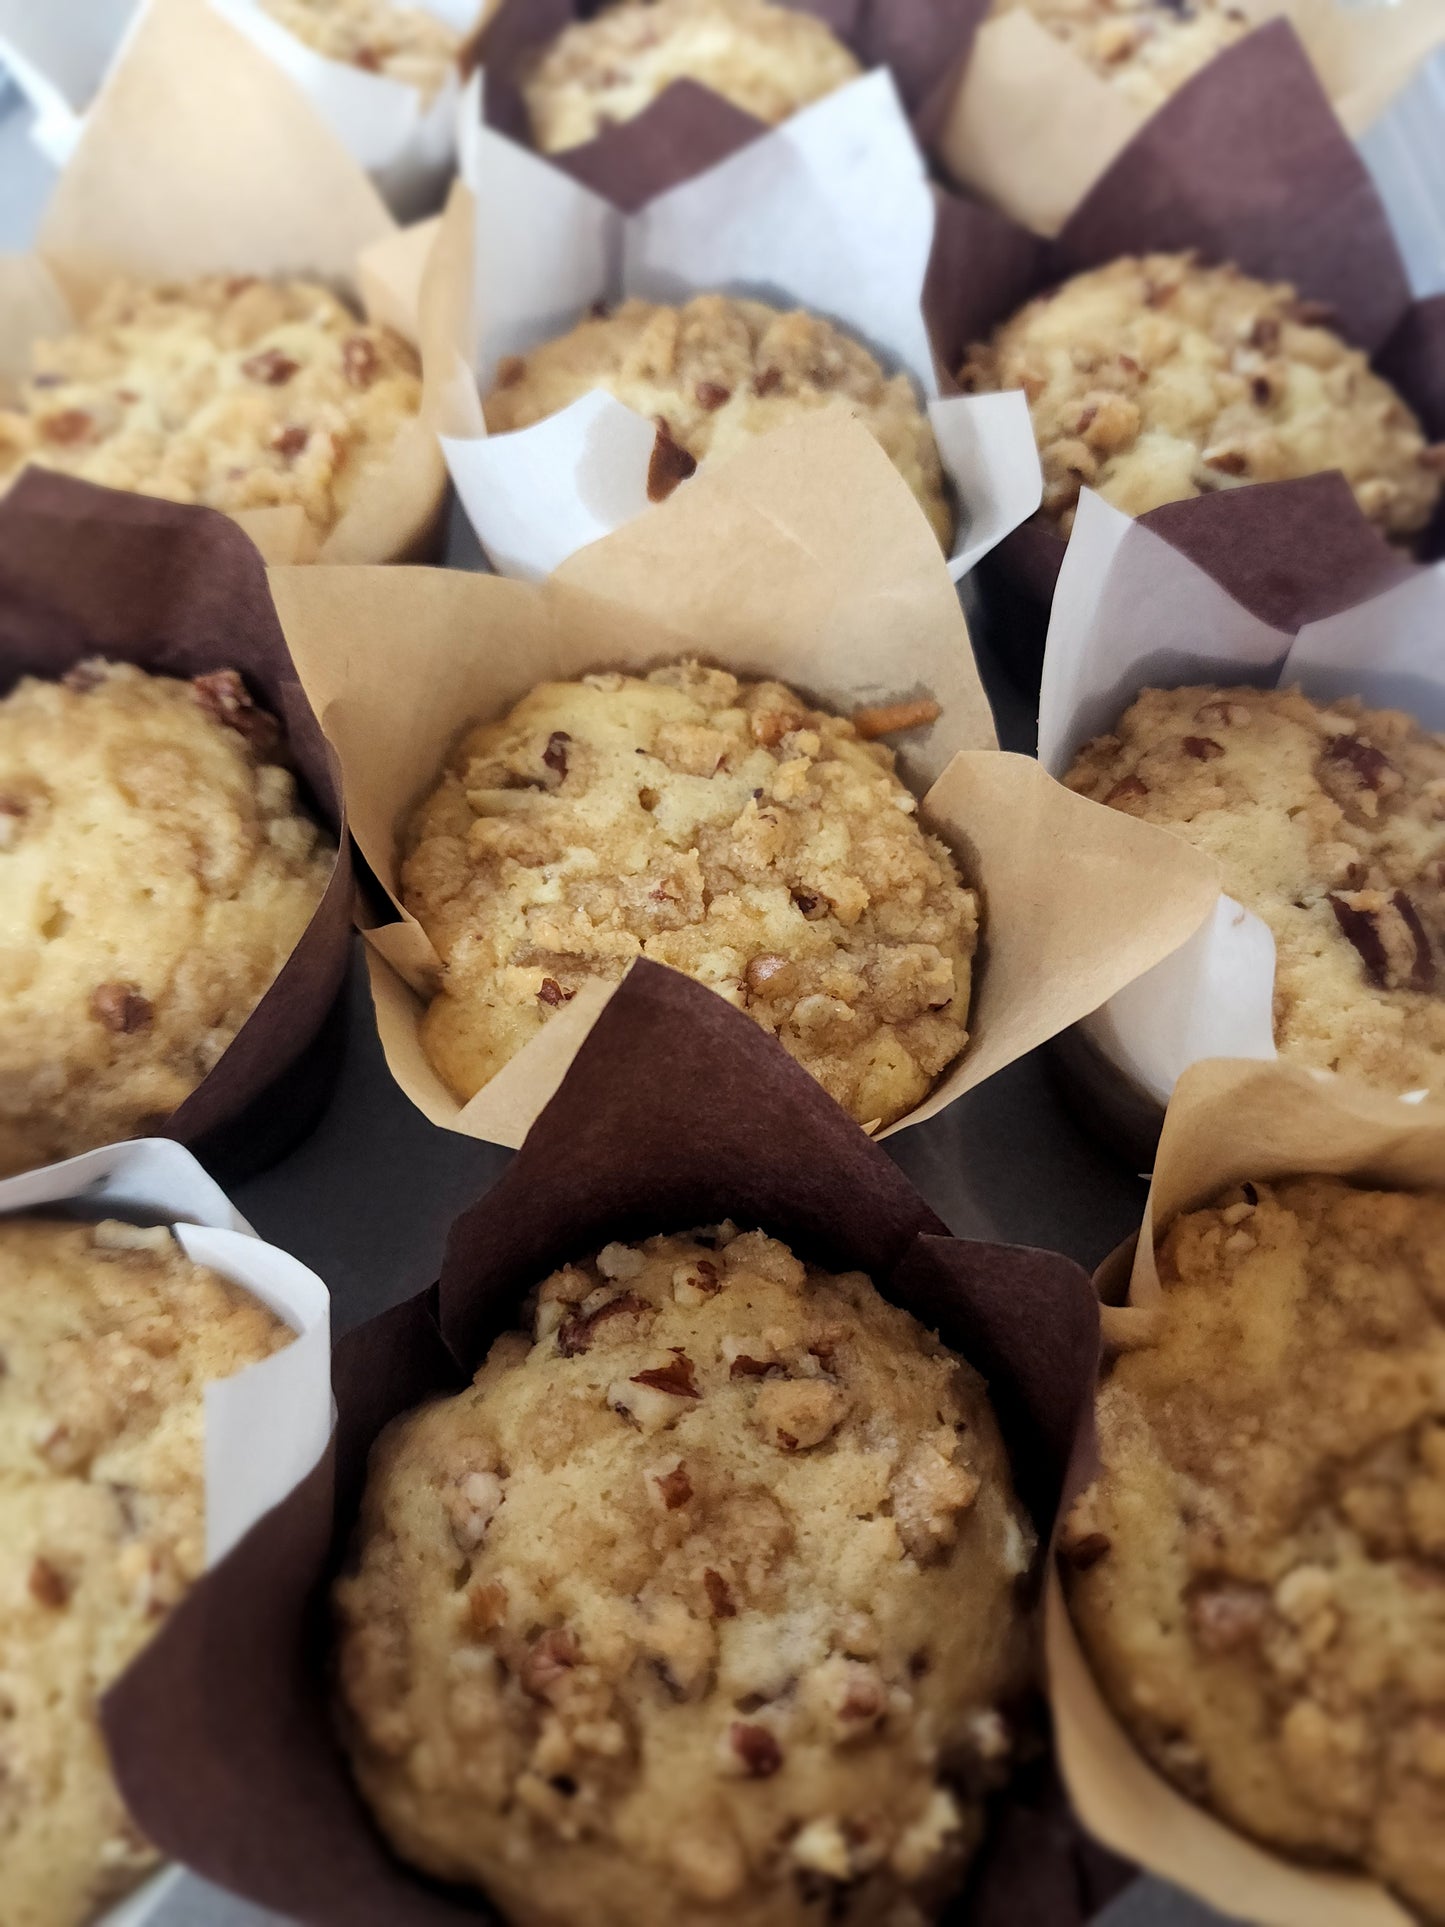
(223, 1735)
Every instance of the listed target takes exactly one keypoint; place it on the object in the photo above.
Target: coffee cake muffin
(704, 1597)
(1157, 378)
(228, 391)
(1329, 823)
(768, 60)
(1145, 48)
(109, 1335)
(403, 43)
(156, 871)
(722, 827)
(715, 373)
(1256, 1571)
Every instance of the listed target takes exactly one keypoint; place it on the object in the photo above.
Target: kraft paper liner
(1247, 163)
(265, 1427)
(1031, 128)
(1228, 1121)
(221, 1731)
(232, 173)
(87, 571)
(803, 558)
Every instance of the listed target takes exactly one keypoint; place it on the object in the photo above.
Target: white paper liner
(1131, 613)
(266, 1426)
(831, 211)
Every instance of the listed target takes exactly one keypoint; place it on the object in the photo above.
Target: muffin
(1145, 48)
(1327, 822)
(1255, 1573)
(768, 60)
(722, 827)
(156, 871)
(706, 1595)
(1156, 379)
(109, 1335)
(713, 374)
(228, 391)
(403, 43)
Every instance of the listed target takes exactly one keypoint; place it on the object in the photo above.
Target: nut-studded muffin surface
(768, 60)
(713, 374)
(702, 1600)
(155, 874)
(1329, 823)
(1256, 1573)
(108, 1336)
(228, 391)
(1156, 378)
(722, 827)
(1145, 48)
(402, 43)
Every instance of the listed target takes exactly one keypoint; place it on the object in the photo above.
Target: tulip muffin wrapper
(62, 52)
(268, 1425)
(831, 585)
(235, 174)
(180, 591)
(1229, 1121)
(221, 1730)
(832, 212)
(1247, 165)
(1131, 613)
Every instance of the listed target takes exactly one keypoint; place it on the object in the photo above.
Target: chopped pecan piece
(359, 360)
(757, 1749)
(1087, 1550)
(1203, 749)
(290, 440)
(486, 1605)
(674, 1488)
(550, 1659)
(1126, 790)
(121, 1008)
(577, 1334)
(764, 972)
(67, 426)
(670, 464)
(1223, 1616)
(1360, 928)
(766, 380)
(712, 395)
(1227, 461)
(270, 366)
(1422, 975)
(552, 993)
(555, 754)
(745, 1367)
(807, 905)
(47, 1585)
(1372, 766)
(223, 695)
(719, 1595)
(676, 1377)
(888, 719)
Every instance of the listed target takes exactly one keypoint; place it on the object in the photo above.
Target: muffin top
(713, 374)
(1145, 48)
(227, 391)
(403, 43)
(1156, 378)
(1329, 823)
(1256, 1572)
(156, 871)
(769, 60)
(722, 827)
(704, 1595)
(108, 1336)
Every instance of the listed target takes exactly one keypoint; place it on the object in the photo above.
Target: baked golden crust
(1145, 48)
(695, 1602)
(403, 43)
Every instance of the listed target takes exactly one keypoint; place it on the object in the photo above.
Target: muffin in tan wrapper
(224, 1732)
(758, 570)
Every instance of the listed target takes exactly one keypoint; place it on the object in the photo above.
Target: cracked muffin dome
(108, 1336)
(235, 393)
(722, 827)
(402, 43)
(702, 1601)
(1157, 378)
(1144, 48)
(713, 374)
(156, 871)
(600, 72)
(1256, 1572)
(1329, 823)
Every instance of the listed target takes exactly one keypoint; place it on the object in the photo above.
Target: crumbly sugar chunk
(598, 73)
(1145, 48)
(1257, 1572)
(235, 393)
(704, 1596)
(402, 43)
(722, 827)
(108, 1336)
(716, 372)
(1329, 823)
(1156, 379)
(156, 871)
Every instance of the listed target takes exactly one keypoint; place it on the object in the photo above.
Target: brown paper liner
(233, 173)
(802, 558)
(88, 571)
(1247, 163)
(1228, 1121)
(220, 1734)
(689, 128)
